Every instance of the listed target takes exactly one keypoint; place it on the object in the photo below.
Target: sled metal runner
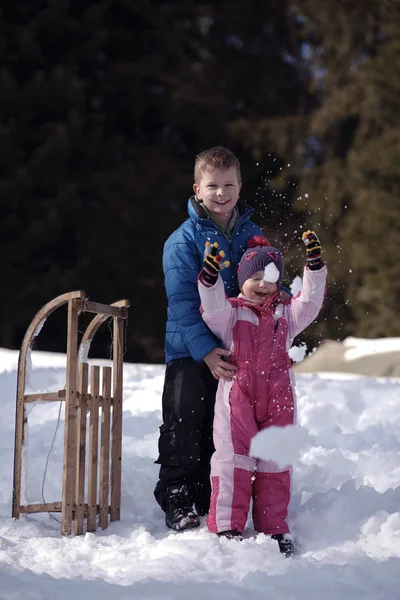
(92, 412)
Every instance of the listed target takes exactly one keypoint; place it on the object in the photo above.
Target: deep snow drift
(345, 510)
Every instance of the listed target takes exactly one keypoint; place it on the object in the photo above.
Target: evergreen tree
(354, 153)
(47, 137)
(343, 150)
(104, 106)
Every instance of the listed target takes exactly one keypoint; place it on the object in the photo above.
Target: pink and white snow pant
(255, 400)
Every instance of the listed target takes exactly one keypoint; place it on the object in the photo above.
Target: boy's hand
(218, 367)
(213, 263)
(313, 249)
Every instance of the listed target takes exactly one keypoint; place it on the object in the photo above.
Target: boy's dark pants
(185, 444)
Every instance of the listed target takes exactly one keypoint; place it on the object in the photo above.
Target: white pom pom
(271, 273)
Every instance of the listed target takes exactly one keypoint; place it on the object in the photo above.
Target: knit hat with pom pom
(259, 255)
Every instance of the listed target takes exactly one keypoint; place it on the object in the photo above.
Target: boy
(194, 358)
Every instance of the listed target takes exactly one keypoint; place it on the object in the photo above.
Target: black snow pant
(185, 444)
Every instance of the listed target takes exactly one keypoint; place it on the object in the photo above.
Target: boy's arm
(181, 268)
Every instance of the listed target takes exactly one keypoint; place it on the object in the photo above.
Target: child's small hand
(213, 263)
(313, 249)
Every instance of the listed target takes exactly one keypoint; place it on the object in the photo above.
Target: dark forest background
(105, 104)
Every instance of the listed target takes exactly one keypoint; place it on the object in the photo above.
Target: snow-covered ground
(345, 510)
(359, 347)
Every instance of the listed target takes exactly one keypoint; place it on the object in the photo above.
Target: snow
(296, 286)
(359, 347)
(280, 445)
(271, 273)
(345, 510)
(297, 353)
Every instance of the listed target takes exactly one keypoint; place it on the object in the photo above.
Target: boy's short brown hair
(217, 157)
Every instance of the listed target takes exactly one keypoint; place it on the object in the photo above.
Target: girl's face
(257, 290)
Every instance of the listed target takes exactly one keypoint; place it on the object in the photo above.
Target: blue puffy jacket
(186, 332)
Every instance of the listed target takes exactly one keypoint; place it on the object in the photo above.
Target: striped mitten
(313, 249)
(213, 263)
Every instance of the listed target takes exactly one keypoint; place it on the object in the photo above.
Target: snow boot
(285, 542)
(180, 514)
(232, 534)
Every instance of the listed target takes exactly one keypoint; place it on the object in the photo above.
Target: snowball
(271, 273)
(282, 445)
(296, 285)
(297, 353)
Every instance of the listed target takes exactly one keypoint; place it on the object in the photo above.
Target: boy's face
(219, 190)
(256, 289)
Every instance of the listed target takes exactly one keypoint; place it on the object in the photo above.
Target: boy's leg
(202, 486)
(185, 403)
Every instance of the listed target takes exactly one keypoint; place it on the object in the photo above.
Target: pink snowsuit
(261, 395)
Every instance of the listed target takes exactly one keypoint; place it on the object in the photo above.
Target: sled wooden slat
(53, 507)
(116, 434)
(19, 440)
(45, 397)
(81, 448)
(37, 508)
(105, 448)
(105, 309)
(93, 447)
(69, 424)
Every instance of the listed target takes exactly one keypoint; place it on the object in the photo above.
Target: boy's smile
(219, 190)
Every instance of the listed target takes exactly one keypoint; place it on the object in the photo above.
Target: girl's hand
(313, 250)
(213, 263)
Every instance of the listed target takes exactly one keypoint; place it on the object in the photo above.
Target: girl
(258, 327)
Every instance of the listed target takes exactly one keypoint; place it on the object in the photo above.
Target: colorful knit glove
(213, 263)
(313, 249)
